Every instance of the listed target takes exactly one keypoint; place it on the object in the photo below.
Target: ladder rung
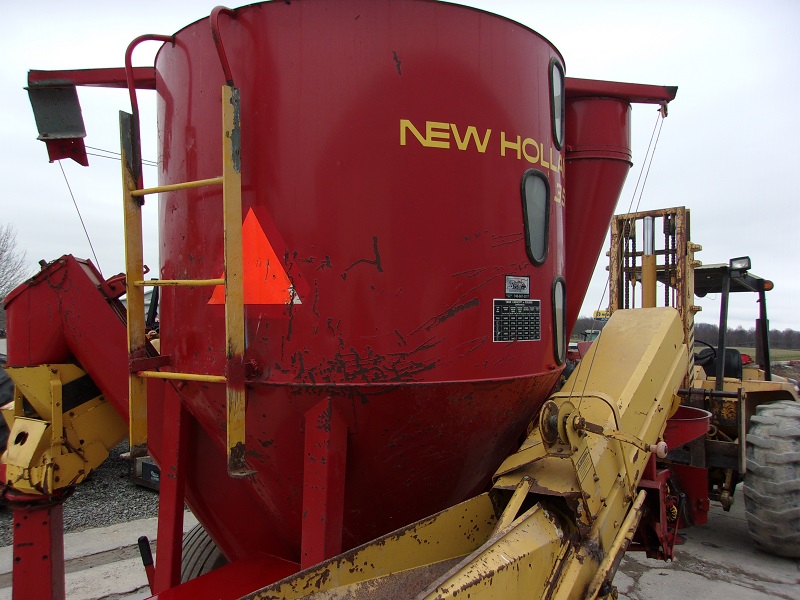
(177, 186)
(143, 367)
(179, 282)
(182, 376)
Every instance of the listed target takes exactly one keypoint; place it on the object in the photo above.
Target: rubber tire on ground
(3, 435)
(200, 554)
(6, 396)
(772, 481)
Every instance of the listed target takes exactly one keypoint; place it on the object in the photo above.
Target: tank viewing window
(557, 101)
(536, 213)
(559, 319)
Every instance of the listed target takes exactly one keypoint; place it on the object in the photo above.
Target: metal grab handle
(217, 35)
(149, 37)
(136, 159)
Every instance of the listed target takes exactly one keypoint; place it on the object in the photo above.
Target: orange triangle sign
(264, 278)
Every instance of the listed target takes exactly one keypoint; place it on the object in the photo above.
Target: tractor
(754, 434)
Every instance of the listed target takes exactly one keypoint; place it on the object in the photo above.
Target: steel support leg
(171, 493)
(38, 570)
(323, 483)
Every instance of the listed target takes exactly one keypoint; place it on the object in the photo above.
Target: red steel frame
(171, 494)
(323, 483)
(38, 568)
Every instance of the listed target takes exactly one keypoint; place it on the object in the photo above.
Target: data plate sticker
(517, 320)
(518, 287)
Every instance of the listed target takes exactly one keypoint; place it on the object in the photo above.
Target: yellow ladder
(142, 366)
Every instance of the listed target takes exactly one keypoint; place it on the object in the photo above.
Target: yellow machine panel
(61, 428)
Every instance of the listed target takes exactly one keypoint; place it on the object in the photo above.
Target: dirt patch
(788, 369)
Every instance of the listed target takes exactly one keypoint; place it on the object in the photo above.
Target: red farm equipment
(365, 301)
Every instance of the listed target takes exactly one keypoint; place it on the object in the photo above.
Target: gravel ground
(105, 498)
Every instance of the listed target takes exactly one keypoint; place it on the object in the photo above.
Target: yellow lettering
(530, 142)
(437, 135)
(559, 190)
(553, 165)
(471, 133)
(506, 144)
(406, 125)
(545, 164)
(438, 131)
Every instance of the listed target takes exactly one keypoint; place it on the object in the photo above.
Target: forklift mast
(633, 245)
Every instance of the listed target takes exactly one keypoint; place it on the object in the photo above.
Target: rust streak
(376, 262)
(397, 62)
(457, 309)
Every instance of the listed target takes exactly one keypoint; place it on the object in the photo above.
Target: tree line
(787, 339)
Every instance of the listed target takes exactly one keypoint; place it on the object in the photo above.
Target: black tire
(6, 396)
(3, 435)
(772, 482)
(200, 554)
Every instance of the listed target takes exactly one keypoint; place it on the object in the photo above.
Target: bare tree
(13, 268)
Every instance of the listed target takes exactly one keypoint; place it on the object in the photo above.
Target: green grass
(776, 354)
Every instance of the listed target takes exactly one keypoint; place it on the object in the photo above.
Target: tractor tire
(3, 435)
(6, 396)
(200, 554)
(772, 481)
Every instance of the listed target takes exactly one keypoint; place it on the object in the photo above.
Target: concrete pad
(624, 583)
(680, 584)
(123, 577)
(100, 563)
(718, 561)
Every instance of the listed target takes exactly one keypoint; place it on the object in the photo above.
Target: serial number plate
(517, 320)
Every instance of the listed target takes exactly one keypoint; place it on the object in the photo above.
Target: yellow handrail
(179, 282)
(182, 376)
(173, 187)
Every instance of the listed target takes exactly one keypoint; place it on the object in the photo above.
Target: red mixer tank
(402, 165)
(410, 171)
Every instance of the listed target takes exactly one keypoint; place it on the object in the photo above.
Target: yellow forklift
(754, 436)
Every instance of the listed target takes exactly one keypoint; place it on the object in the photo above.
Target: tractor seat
(733, 365)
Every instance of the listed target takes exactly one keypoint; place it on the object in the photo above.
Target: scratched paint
(395, 252)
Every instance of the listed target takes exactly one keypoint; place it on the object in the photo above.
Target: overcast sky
(728, 150)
